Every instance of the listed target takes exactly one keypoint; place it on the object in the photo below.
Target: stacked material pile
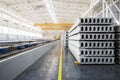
(91, 41)
(66, 40)
(117, 44)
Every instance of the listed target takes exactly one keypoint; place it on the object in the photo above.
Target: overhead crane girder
(54, 26)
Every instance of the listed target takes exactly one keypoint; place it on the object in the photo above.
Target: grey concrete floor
(46, 68)
(73, 71)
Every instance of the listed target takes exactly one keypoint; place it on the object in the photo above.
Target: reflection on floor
(46, 68)
(72, 71)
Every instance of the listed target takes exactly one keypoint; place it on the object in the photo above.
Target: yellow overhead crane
(57, 37)
(54, 26)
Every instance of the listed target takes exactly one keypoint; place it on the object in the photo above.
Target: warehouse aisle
(46, 68)
(70, 71)
(73, 71)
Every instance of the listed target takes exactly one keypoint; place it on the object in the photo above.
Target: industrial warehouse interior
(59, 39)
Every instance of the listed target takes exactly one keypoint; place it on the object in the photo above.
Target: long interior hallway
(47, 67)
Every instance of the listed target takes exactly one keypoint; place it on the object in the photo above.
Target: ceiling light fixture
(50, 8)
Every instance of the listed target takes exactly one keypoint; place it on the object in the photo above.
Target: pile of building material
(92, 41)
(117, 44)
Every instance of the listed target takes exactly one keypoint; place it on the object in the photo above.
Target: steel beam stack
(92, 41)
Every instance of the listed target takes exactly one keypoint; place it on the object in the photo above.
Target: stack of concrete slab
(92, 41)
(66, 40)
(117, 44)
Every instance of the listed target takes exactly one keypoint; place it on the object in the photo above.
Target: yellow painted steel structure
(57, 37)
(54, 26)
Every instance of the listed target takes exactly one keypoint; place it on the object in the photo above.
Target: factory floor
(47, 67)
